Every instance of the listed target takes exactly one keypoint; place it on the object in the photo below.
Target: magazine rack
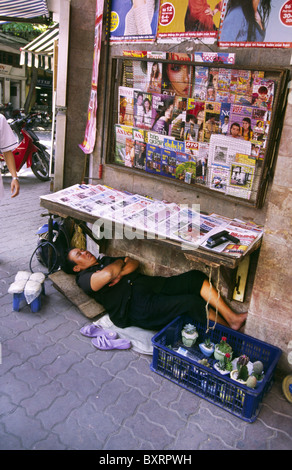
(192, 148)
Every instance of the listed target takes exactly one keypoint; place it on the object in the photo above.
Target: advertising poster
(134, 20)
(88, 143)
(271, 27)
(181, 19)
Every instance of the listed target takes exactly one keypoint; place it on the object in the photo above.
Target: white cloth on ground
(140, 338)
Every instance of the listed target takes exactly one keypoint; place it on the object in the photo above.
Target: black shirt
(115, 299)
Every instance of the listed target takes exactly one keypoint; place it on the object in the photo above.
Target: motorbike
(29, 150)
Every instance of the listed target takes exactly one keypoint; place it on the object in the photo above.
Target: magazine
(185, 167)
(178, 123)
(153, 159)
(263, 93)
(241, 180)
(168, 163)
(162, 105)
(123, 144)
(126, 106)
(212, 119)
(128, 25)
(218, 177)
(200, 82)
(154, 77)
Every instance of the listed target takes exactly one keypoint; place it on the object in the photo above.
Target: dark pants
(157, 300)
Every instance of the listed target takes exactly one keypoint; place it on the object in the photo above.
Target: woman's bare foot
(237, 321)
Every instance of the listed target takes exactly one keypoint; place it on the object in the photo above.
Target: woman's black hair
(67, 264)
(264, 10)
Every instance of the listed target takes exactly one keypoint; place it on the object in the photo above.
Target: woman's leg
(233, 320)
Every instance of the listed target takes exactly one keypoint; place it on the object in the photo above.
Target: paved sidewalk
(59, 393)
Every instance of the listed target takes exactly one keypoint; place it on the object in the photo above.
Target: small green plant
(225, 363)
(223, 346)
(189, 329)
(242, 370)
(208, 343)
(258, 368)
(251, 381)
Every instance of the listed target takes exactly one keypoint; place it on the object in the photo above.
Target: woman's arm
(9, 158)
(130, 266)
(106, 275)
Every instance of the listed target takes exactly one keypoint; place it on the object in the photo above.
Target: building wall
(268, 297)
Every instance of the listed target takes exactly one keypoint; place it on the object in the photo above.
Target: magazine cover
(139, 75)
(153, 159)
(185, 167)
(128, 73)
(180, 19)
(263, 93)
(223, 149)
(241, 118)
(241, 179)
(275, 30)
(212, 119)
(126, 106)
(142, 113)
(123, 134)
(221, 57)
(196, 113)
(133, 21)
(139, 148)
(176, 79)
(168, 163)
(223, 88)
(154, 77)
(218, 177)
(200, 82)
(162, 106)
(224, 118)
(179, 118)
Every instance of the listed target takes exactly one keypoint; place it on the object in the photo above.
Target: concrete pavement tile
(14, 388)
(108, 394)
(59, 410)
(151, 433)
(162, 416)
(47, 356)
(61, 364)
(126, 405)
(77, 437)
(43, 398)
(82, 386)
(9, 442)
(29, 430)
(122, 439)
(214, 425)
(51, 442)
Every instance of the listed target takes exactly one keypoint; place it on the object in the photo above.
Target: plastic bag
(32, 290)
(17, 287)
(78, 240)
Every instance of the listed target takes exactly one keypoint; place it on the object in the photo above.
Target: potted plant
(258, 370)
(240, 374)
(222, 348)
(224, 366)
(189, 335)
(207, 347)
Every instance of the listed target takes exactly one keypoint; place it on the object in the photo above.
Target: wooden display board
(213, 127)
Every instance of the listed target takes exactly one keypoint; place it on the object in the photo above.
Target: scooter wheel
(40, 165)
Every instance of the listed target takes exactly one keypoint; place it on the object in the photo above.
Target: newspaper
(159, 219)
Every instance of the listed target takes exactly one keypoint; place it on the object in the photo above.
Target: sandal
(92, 331)
(104, 343)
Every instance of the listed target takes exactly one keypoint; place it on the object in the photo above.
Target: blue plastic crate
(206, 382)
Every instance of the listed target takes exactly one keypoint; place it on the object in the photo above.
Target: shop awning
(39, 52)
(18, 10)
